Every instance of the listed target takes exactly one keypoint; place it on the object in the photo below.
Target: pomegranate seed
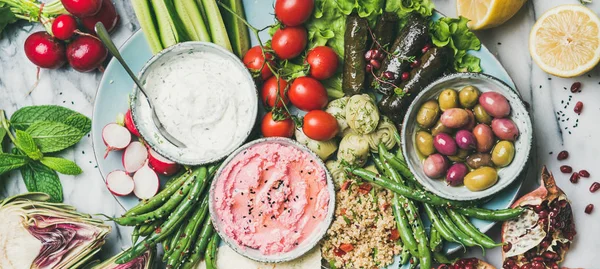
(584, 173)
(574, 177)
(376, 64)
(543, 214)
(595, 186)
(405, 76)
(566, 169)
(578, 107)
(369, 68)
(415, 63)
(369, 55)
(507, 247)
(426, 48)
(388, 75)
(589, 208)
(549, 255)
(576, 87)
(562, 155)
(538, 208)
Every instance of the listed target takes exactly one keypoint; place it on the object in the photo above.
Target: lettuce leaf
(404, 7)
(454, 32)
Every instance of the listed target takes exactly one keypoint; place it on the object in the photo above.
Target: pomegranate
(541, 236)
(473, 263)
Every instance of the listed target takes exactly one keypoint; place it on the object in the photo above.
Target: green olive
(481, 115)
(468, 96)
(428, 114)
(440, 128)
(448, 99)
(424, 142)
(481, 178)
(460, 156)
(503, 153)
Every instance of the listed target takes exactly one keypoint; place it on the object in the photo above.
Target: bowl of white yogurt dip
(203, 95)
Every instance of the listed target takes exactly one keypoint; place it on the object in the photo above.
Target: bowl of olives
(467, 136)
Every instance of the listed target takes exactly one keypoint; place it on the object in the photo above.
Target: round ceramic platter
(115, 87)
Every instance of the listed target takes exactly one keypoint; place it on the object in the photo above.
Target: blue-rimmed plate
(114, 89)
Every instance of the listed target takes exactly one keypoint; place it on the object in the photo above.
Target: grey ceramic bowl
(141, 112)
(309, 243)
(484, 83)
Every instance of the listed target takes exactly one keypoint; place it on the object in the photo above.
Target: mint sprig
(38, 130)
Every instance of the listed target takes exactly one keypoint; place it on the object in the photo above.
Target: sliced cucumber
(236, 29)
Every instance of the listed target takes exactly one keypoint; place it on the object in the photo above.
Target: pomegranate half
(465, 263)
(541, 236)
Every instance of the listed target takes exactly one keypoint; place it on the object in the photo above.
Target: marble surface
(548, 96)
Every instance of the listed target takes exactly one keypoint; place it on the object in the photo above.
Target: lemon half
(488, 13)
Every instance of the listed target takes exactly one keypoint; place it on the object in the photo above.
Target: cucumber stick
(236, 29)
(192, 21)
(218, 33)
(145, 17)
(166, 25)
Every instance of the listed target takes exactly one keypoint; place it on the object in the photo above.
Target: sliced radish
(134, 157)
(119, 183)
(129, 124)
(116, 137)
(146, 182)
(162, 165)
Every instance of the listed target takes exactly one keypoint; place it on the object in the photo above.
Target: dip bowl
(309, 242)
(193, 155)
(485, 83)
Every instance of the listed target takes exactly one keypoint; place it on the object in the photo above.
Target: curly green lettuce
(405, 7)
(453, 32)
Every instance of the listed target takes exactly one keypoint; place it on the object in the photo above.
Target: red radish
(129, 124)
(107, 15)
(64, 27)
(119, 183)
(82, 8)
(134, 157)
(115, 137)
(162, 165)
(146, 182)
(86, 53)
(45, 51)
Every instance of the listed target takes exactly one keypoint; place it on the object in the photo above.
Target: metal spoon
(105, 38)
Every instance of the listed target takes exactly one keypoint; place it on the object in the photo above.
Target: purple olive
(495, 104)
(435, 165)
(465, 140)
(455, 118)
(484, 136)
(445, 144)
(505, 129)
(456, 174)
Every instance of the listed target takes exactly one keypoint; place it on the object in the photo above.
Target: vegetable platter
(115, 89)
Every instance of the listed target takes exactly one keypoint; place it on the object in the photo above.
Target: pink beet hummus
(271, 197)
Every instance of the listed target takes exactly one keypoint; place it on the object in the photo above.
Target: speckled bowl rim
(501, 184)
(199, 46)
(305, 246)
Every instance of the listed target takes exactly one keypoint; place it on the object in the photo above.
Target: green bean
(439, 225)
(147, 228)
(435, 240)
(418, 195)
(465, 239)
(468, 228)
(171, 241)
(135, 235)
(199, 246)
(172, 222)
(441, 258)
(190, 233)
(492, 215)
(211, 252)
(414, 262)
(404, 256)
(175, 177)
(159, 199)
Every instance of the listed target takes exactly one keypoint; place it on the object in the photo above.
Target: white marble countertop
(546, 94)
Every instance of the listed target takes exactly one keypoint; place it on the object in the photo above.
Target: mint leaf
(26, 116)
(61, 165)
(80, 122)
(10, 162)
(6, 17)
(54, 136)
(39, 178)
(25, 142)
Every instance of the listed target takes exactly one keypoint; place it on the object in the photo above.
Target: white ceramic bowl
(484, 83)
(309, 243)
(142, 118)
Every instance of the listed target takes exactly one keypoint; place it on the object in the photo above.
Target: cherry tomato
(323, 62)
(255, 62)
(269, 92)
(319, 125)
(307, 94)
(282, 128)
(293, 12)
(289, 42)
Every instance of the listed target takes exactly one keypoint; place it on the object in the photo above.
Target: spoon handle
(107, 41)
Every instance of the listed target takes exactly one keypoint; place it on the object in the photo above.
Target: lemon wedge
(488, 13)
(565, 41)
